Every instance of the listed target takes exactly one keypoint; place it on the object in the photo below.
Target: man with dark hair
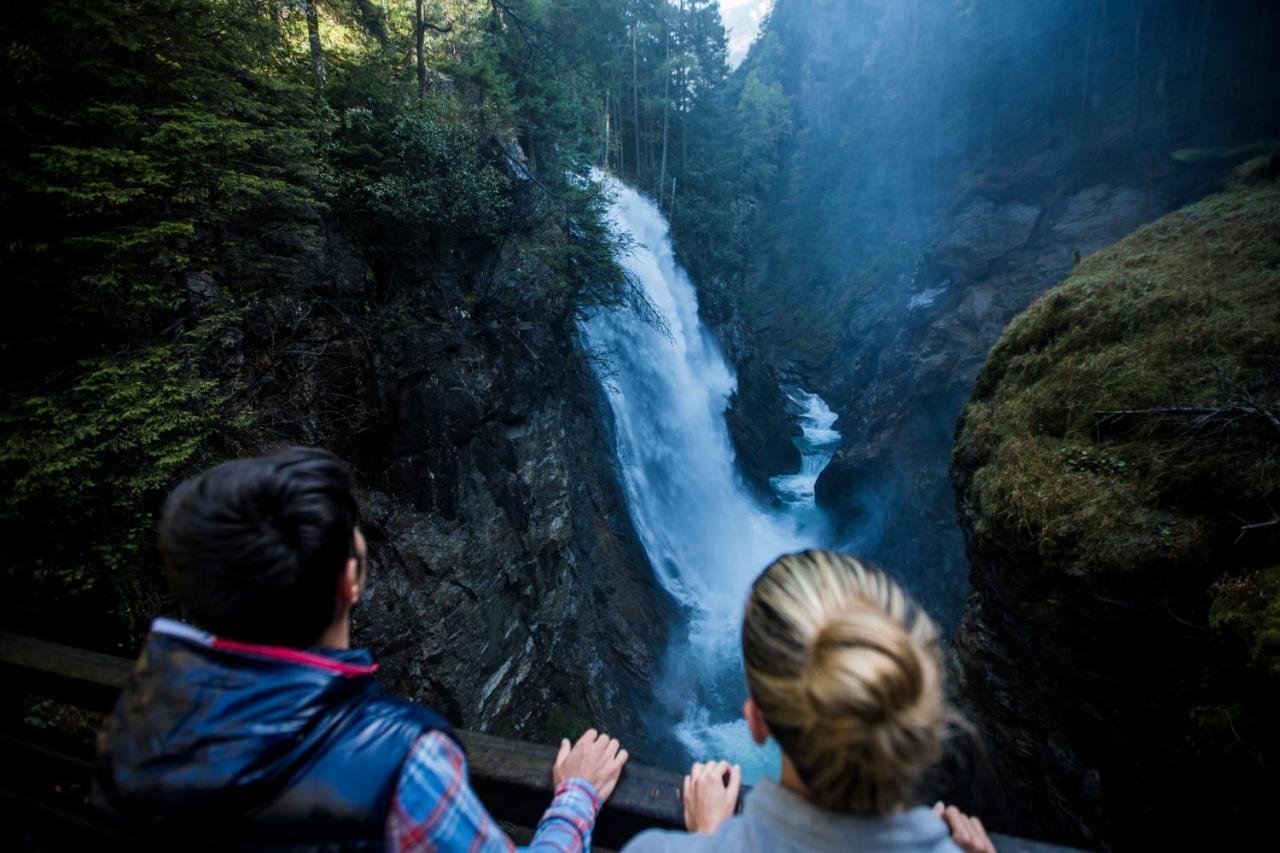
(259, 725)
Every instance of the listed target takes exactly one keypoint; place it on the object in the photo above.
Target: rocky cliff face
(905, 363)
(761, 427)
(507, 588)
(1117, 475)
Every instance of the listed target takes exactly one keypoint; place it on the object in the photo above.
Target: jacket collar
(347, 662)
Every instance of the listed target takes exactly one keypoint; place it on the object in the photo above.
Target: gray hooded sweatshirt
(775, 819)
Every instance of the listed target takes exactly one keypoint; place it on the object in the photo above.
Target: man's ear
(755, 721)
(349, 583)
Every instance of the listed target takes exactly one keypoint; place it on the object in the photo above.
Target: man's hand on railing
(596, 757)
(710, 795)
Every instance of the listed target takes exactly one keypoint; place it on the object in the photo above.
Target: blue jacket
(218, 743)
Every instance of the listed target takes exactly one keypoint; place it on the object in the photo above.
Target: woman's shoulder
(679, 841)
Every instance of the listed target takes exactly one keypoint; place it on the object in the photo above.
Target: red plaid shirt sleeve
(435, 809)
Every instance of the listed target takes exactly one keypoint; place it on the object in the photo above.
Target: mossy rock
(1248, 608)
(1178, 327)
(1119, 470)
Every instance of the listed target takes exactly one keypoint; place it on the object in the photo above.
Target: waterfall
(705, 535)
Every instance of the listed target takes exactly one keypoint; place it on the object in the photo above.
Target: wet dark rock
(507, 587)
(201, 288)
(761, 425)
(761, 428)
(984, 231)
(507, 582)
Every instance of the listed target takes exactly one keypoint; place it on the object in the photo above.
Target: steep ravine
(906, 362)
(899, 377)
(1119, 647)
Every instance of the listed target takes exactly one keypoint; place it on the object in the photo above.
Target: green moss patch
(1126, 419)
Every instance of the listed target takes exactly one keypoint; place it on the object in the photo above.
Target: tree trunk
(622, 138)
(317, 56)
(682, 94)
(604, 155)
(420, 39)
(1265, 62)
(1162, 77)
(1088, 57)
(1138, 88)
(1204, 57)
(666, 113)
(1188, 43)
(635, 98)
(372, 19)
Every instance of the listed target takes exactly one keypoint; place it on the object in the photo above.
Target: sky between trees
(742, 21)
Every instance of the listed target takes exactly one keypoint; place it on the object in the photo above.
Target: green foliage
(173, 165)
(147, 140)
(98, 454)
(403, 172)
(126, 425)
(1177, 327)
(764, 121)
(1092, 460)
(1248, 608)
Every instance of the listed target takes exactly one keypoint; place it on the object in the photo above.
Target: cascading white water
(817, 445)
(705, 536)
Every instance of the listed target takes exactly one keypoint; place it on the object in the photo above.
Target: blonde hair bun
(862, 664)
(848, 674)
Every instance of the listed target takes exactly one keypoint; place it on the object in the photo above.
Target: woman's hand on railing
(967, 832)
(596, 757)
(710, 795)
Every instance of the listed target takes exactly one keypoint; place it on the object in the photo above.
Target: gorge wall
(507, 588)
(1119, 646)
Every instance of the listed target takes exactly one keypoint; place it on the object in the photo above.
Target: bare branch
(1193, 417)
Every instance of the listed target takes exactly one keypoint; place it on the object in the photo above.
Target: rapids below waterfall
(706, 536)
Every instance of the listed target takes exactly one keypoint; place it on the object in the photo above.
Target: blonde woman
(845, 673)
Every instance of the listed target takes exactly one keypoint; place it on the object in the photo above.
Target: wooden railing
(512, 778)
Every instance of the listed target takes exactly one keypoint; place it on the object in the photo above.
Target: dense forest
(193, 185)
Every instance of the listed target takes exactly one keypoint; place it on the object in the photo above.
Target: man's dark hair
(253, 547)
